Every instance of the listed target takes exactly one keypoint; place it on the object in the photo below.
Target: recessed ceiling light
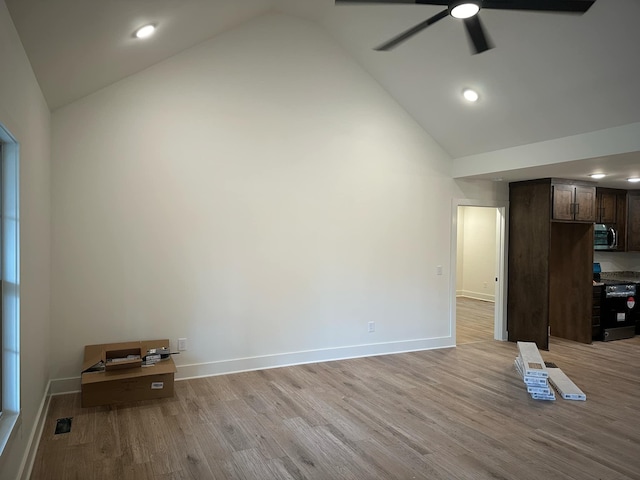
(146, 31)
(597, 176)
(464, 9)
(634, 179)
(470, 95)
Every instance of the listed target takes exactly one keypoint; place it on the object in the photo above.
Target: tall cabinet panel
(570, 281)
(528, 286)
(550, 261)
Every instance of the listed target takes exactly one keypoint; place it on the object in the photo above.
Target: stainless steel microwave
(605, 237)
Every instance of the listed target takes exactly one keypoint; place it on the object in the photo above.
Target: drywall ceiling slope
(551, 76)
(77, 47)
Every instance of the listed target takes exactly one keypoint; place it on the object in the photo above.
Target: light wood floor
(474, 320)
(458, 413)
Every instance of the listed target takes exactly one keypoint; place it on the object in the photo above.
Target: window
(1, 282)
(9, 287)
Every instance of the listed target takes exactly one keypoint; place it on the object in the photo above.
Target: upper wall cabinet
(633, 221)
(606, 206)
(611, 206)
(573, 201)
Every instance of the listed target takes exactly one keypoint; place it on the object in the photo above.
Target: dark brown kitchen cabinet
(606, 206)
(633, 221)
(573, 201)
(550, 266)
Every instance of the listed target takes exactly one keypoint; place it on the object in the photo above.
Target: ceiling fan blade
(412, 31)
(568, 6)
(477, 34)
(391, 2)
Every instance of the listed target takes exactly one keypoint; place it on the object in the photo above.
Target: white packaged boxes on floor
(539, 376)
(563, 384)
(539, 390)
(532, 362)
(532, 369)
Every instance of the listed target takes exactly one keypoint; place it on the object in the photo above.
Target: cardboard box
(124, 385)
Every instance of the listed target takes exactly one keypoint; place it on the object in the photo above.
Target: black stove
(619, 313)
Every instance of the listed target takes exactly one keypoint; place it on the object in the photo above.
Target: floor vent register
(540, 376)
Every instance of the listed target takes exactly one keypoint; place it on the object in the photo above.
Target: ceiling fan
(467, 11)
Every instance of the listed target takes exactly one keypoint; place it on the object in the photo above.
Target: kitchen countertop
(628, 276)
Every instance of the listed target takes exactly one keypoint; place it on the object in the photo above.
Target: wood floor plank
(474, 320)
(459, 413)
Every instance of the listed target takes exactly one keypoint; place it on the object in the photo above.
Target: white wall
(258, 194)
(477, 252)
(24, 113)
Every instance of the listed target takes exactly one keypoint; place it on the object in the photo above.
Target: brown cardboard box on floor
(125, 385)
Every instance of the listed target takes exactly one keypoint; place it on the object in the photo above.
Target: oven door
(618, 317)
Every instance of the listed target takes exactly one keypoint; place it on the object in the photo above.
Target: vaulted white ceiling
(549, 76)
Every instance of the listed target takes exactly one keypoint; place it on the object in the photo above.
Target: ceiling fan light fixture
(146, 31)
(464, 9)
(470, 95)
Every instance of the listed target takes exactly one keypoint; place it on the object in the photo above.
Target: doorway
(478, 289)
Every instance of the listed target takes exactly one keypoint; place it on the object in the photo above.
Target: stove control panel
(620, 290)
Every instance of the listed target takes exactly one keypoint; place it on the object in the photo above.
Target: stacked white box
(533, 371)
(532, 363)
(539, 375)
(563, 384)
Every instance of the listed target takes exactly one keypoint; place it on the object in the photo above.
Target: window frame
(9, 287)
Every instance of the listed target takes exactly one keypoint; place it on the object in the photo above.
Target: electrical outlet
(182, 344)
(372, 327)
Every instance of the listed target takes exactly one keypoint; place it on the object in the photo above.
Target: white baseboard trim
(476, 295)
(223, 367)
(36, 434)
(236, 365)
(60, 386)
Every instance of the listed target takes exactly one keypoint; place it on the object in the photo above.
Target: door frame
(502, 219)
